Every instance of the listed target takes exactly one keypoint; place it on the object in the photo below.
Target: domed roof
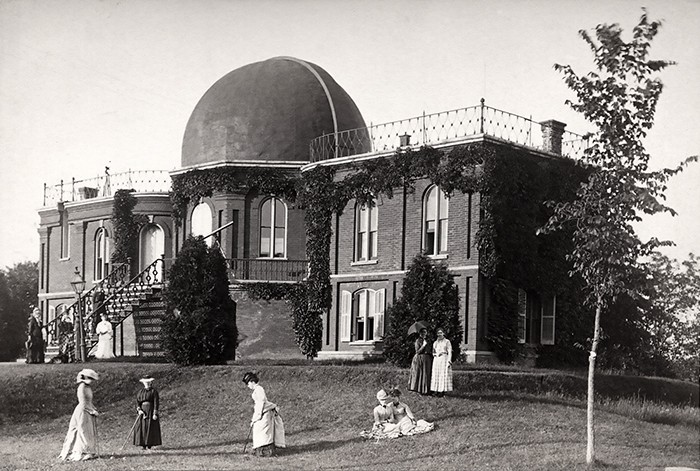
(267, 111)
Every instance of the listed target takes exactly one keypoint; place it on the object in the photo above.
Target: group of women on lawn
(431, 372)
(431, 367)
(81, 441)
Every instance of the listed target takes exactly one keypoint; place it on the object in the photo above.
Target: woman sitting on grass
(393, 419)
(405, 421)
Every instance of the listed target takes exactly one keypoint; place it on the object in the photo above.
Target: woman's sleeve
(417, 345)
(449, 351)
(260, 399)
(376, 416)
(156, 402)
(408, 412)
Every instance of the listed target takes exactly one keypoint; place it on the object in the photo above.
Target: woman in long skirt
(441, 380)
(81, 440)
(104, 343)
(147, 430)
(422, 364)
(266, 423)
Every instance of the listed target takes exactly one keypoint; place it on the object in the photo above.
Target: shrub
(428, 294)
(201, 327)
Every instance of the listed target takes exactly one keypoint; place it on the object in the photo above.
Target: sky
(87, 84)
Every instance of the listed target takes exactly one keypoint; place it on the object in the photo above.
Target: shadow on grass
(323, 445)
(238, 441)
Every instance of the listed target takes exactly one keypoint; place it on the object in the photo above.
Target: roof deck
(448, 127)
(142, 181)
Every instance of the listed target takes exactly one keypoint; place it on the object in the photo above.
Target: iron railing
(439, 128)
(252, 269)
(119, 303)
(56, 328)
(143, 181)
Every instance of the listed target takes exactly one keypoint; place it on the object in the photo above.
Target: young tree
(200, 328)
(428, 294)
(620, 99)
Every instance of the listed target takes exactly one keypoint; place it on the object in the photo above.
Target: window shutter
(522, 315)
(345, 311)
(549, 309)
(379, 306)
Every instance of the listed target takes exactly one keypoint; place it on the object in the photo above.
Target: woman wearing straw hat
(147, 430)
(81, 440)
(266, 424)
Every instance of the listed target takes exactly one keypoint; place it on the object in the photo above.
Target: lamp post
(78, 284)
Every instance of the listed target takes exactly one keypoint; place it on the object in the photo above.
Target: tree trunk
(590, 448)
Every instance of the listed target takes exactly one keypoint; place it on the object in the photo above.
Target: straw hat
(86, 375)
(146, 381)
(382, 397)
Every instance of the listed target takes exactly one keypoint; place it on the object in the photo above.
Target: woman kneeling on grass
(266, 424)
(393, 418)
(81, 440)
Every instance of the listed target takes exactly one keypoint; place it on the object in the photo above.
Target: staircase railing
(122, 299)
(57, 329)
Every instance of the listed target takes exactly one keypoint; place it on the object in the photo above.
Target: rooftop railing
(142, 181)
(444, 127)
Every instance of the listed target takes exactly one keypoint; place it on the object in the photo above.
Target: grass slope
(206, 411)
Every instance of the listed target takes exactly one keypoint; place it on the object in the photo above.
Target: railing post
(44, 194)
(482, 116)
(424, 134)
(61, 198)
(72, 190)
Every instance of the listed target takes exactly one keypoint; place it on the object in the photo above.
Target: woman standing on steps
(104, 342)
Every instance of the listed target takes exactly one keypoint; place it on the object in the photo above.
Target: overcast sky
(84, 84)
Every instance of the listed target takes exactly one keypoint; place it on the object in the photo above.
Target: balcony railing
(440, 128)
(256, 269)
(143, 181)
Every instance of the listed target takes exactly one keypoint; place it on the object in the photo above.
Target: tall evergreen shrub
(428, 294)
(200, 328)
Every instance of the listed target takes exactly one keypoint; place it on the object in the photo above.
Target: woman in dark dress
(35, 338)
(147, 429)
(422, 364)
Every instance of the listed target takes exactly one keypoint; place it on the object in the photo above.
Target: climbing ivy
(195, 184)
(126, 226)
(512, 183)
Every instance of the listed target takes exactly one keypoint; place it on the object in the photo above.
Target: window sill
(271, 258)
(364, 342)
(64, 259)
(440, 256)
(364, 262)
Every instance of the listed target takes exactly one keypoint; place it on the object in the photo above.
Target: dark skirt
(147, 430)
(421, 369)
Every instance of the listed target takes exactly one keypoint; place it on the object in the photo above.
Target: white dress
(441, 379)
(81, 439)
(268, 427)
(104, 344)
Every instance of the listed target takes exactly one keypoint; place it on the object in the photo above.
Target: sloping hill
(495, 420)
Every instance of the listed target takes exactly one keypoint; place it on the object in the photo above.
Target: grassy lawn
(205, 414)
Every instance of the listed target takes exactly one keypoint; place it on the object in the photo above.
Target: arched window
(202, 221)
(101, 254)
(273, 229)
(365, 232)
(435, 218)
(151, 248)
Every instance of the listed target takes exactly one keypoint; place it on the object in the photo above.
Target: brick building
(283, 116)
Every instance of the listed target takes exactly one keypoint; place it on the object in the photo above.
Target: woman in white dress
(104, 343)
(441, 379)
(266, 423)
(81, 440)
(404, 418)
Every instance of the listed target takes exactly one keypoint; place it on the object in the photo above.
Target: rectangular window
(522, 315)
(345, 315)
(379, 307)
(549, 311)
(365, 233)
(65, 236)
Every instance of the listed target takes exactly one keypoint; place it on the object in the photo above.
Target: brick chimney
(552, 132)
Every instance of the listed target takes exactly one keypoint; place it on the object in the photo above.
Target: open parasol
(417, 326)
